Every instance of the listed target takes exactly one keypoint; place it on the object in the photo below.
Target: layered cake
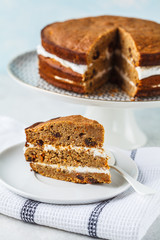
(68, 148)
(80, 55)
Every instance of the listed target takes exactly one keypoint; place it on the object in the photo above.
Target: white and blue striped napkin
(125, 217)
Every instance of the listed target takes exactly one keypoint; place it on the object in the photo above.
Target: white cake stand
(114, 110)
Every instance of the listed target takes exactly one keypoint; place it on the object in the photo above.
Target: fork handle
(138, 187)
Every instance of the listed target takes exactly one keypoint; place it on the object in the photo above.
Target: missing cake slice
(68, 148)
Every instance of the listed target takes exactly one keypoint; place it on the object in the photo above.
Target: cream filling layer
(124, 76)
(79, 68)
(119, 53)
(97, 152)
(98, 75)
(67, 80)
(156, 86)
(143, 72)
(76, 169)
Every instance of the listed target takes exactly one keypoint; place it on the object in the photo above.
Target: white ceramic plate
(15, 174)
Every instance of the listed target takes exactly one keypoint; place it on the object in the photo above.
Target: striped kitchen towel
(128, 216)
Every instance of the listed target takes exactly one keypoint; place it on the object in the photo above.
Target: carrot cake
(80, 55)
(68, 148)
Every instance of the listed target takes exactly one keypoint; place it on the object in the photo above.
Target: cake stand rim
(79, 100)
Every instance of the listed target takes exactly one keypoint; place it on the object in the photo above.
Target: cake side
(76, 156)
(90, 76)
(110, 43)
(77, 37)
(83, 164)
(66, 78)
(80, 156)
(67, 84)
(64, 130)
(73, 176)
(56, 69)
(136, 80)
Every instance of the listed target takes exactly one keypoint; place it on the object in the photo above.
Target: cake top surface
(70, 130)
(78, 35)
(74, 119)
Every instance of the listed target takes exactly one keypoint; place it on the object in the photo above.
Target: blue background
(22, 20)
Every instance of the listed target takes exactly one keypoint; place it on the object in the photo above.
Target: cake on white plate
(68, 148)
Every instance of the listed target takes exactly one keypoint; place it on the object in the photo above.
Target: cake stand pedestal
(115, 112)
(120, 126)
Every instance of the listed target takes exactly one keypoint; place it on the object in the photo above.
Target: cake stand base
(121, 129)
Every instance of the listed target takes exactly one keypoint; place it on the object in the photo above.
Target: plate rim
(22, 193)
(81, 100)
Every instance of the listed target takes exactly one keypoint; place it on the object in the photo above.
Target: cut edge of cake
(123, 55)
(68, 148)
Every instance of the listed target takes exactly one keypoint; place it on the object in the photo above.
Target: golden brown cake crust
(75, 129)
(48, 65)
(149, 86)
(78, 119)
(65, 157)
(62, 84)
(91, 178)
(68, 148)
(72, 39)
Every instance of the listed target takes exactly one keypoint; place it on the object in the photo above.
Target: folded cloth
(127, 216)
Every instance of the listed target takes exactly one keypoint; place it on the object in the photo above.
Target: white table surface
(28, 106)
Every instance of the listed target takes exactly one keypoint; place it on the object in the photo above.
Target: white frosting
(98, 75)
(97, 152)
(156, 86)
(118, 52)
(124, 76)
(67, 80)
(29, 146)
(76, 169)
(79, 68)
(48, 147)
(108, 54)
(144, 72)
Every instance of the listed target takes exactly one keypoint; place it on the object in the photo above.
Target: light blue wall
(22, 20)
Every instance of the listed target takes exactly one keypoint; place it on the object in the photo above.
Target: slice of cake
(81, 55)
(68, 148)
